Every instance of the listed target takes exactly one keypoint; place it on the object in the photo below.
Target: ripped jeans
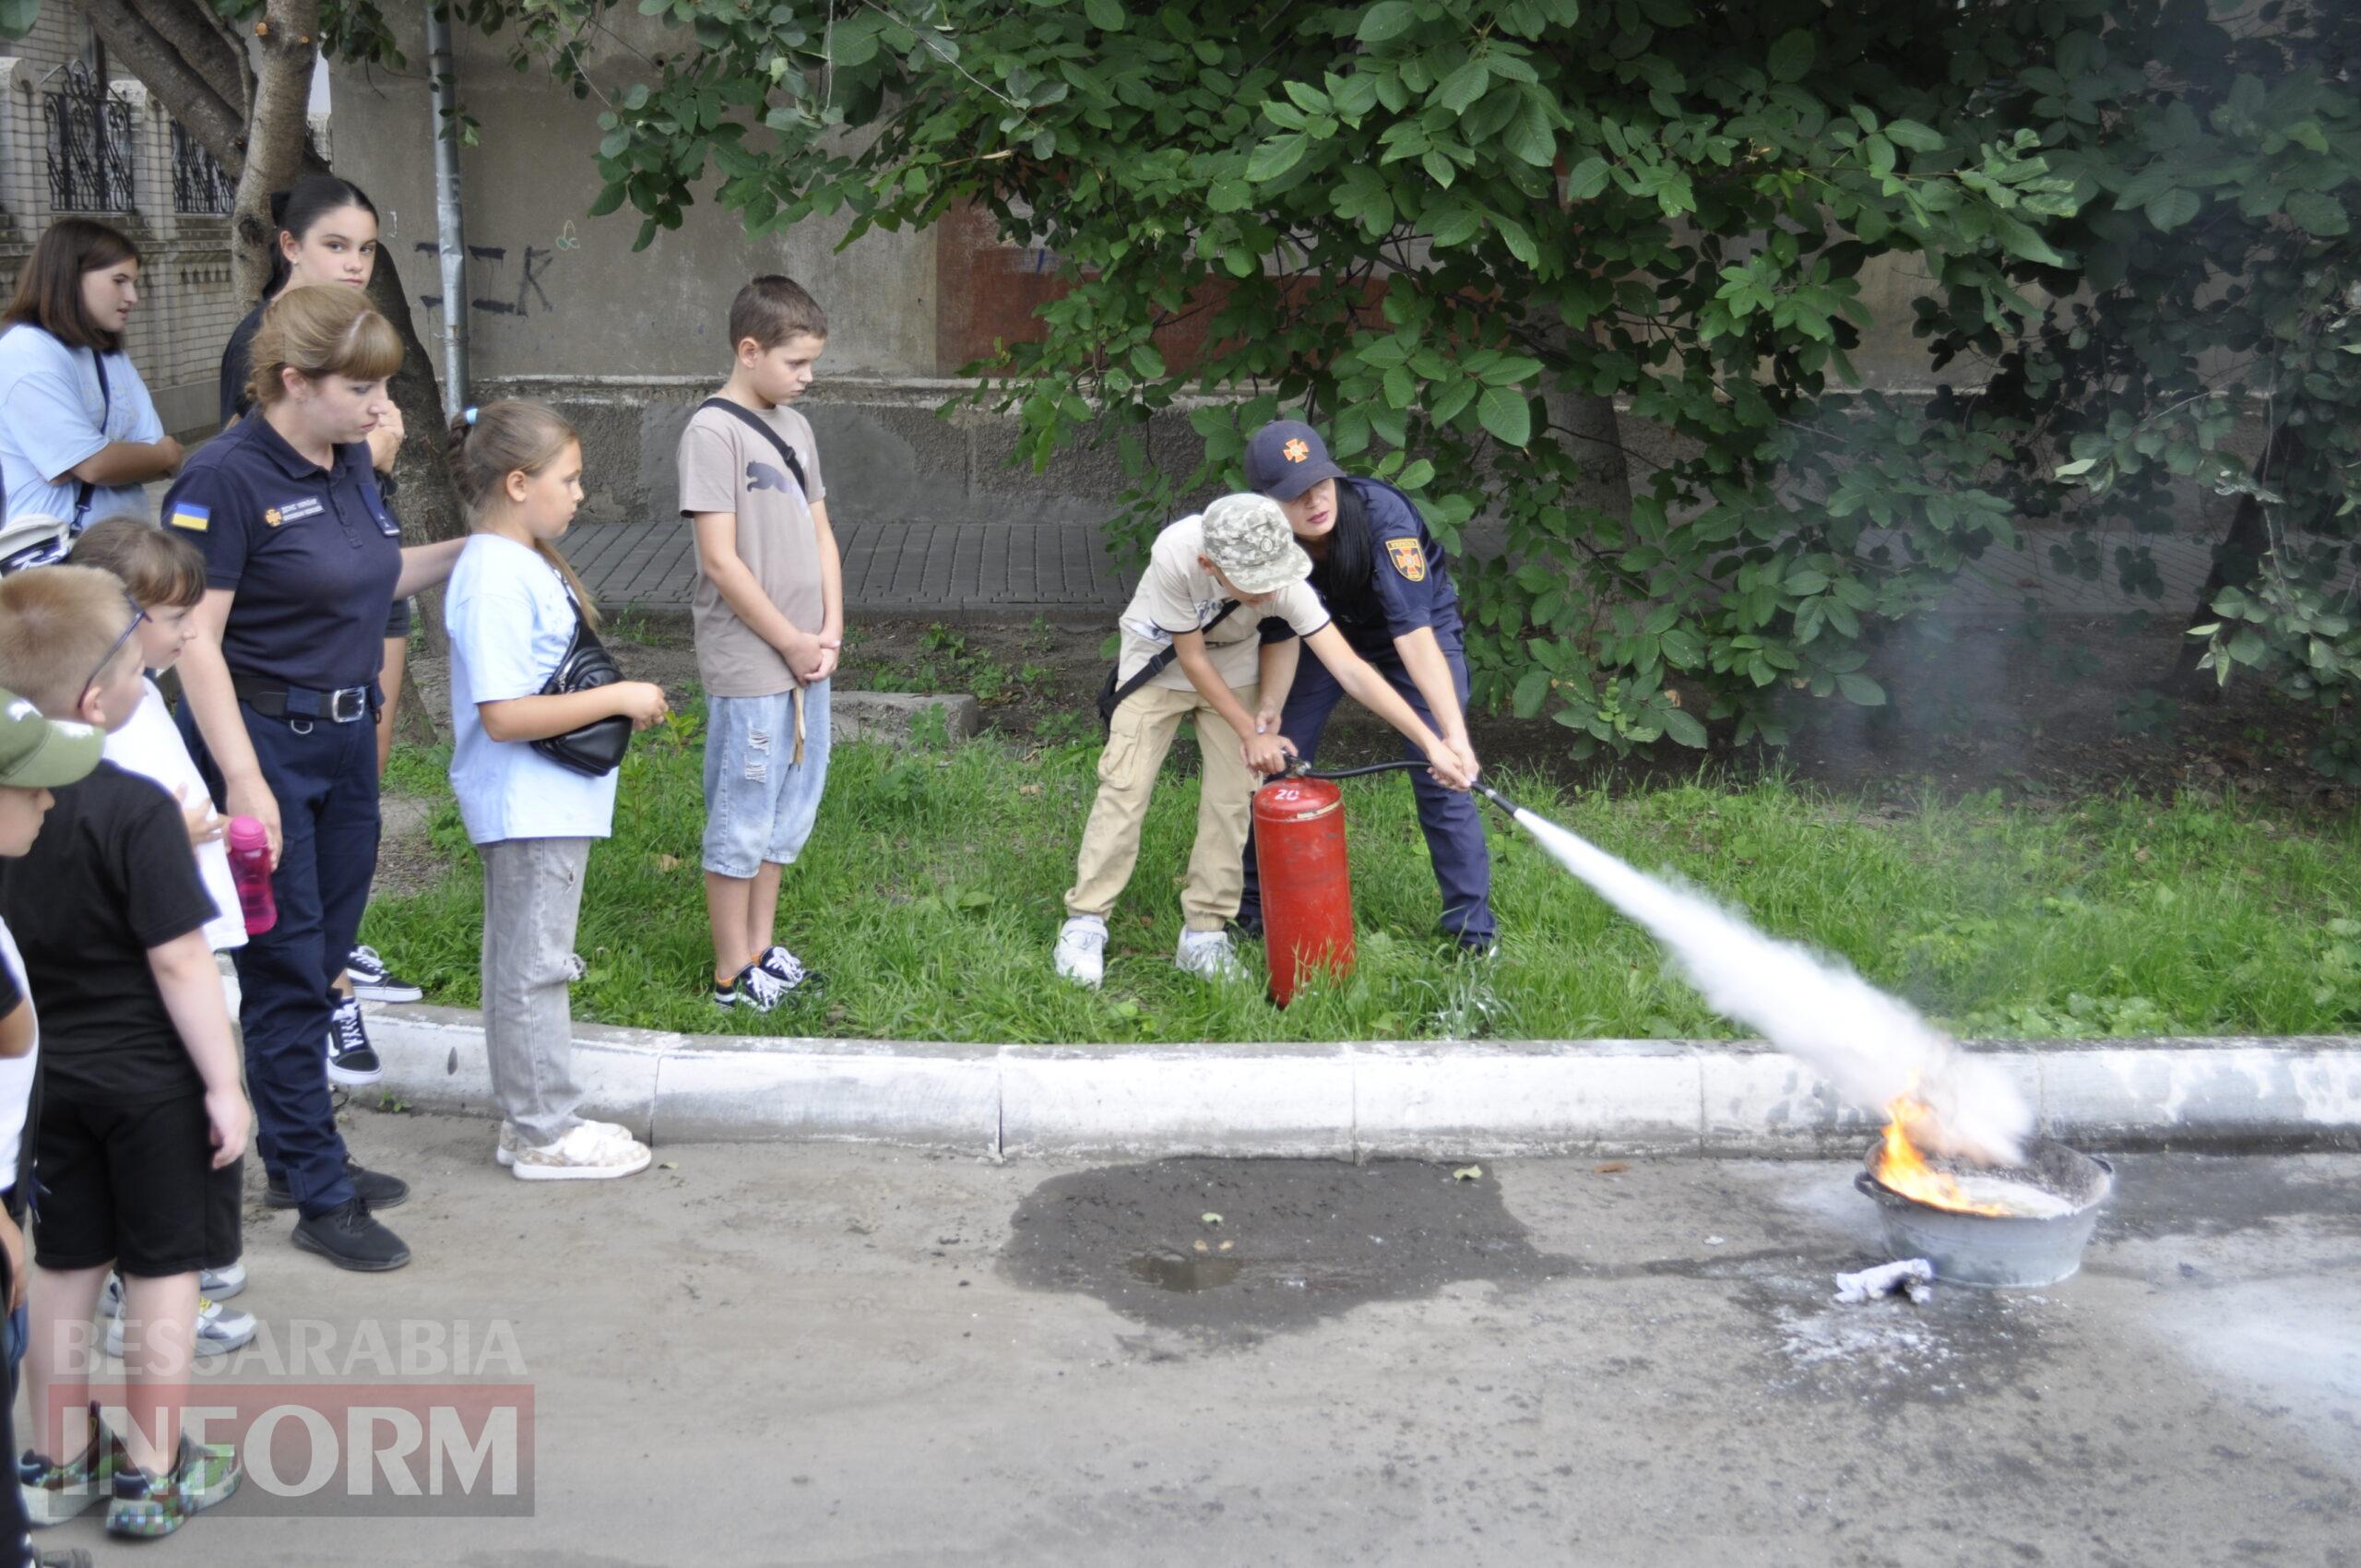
(759, 802)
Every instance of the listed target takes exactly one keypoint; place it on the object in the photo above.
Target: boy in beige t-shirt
(770, 622)
(1222, 675)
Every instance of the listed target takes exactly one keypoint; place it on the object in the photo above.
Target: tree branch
(205, 46)
(195, 99)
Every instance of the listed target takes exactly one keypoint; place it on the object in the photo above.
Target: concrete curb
(1349, 1100)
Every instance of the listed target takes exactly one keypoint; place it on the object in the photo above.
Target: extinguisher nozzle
(1496, 798)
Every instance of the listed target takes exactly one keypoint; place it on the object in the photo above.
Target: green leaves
(1106, 15)
(1791, 57)
(1275, 157)
(1505, 414)
(2318, 214)
(1389, 20)
(2172, 209)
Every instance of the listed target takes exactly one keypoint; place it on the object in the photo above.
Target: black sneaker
(372, 982)
(352, 1061)
(375, 1188)
(787, 969)
(348, 1238)
(755, 988)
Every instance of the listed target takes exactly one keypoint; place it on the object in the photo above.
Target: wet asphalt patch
(1234, 1249)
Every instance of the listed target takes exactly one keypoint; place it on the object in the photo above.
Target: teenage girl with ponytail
(510, 610)
(328, 234)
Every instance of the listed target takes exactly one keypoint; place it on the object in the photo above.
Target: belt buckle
(348, 706)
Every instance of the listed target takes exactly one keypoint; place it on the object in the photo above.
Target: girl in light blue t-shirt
(512, 608)
(78, 434)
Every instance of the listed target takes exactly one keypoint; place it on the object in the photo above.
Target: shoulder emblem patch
(1408, 558)
(188, 514)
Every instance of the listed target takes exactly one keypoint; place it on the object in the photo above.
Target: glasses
(137, 616)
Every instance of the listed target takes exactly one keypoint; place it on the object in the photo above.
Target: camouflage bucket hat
(1247, 536)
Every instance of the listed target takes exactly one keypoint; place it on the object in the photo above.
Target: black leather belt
(349, 705)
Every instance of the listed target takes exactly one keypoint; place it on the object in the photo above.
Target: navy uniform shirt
(312, 554)
(1408, 587)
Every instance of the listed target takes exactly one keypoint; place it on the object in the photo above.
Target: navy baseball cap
(1286, 459)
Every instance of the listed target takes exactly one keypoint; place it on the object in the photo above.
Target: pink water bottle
(250, 870)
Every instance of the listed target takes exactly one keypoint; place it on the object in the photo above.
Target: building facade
(79, 137)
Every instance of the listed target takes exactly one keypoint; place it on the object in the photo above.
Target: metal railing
(90, 142)
(199, 183)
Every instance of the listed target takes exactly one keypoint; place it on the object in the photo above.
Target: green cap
(41, 753)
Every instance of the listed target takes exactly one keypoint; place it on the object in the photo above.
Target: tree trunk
(162, 44)
(276, 142)
(1588, 425)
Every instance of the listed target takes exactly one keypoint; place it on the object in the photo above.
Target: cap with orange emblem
(1286, 459)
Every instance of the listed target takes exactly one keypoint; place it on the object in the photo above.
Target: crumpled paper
(1914, 1276)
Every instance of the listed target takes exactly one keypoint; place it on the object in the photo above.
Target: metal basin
(1997, 1251)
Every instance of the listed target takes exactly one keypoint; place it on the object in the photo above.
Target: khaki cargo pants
(1136, 741)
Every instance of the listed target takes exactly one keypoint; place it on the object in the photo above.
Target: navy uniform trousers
(325, 778)
(1450, 818)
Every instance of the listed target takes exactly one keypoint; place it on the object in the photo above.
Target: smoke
(1871, 1046)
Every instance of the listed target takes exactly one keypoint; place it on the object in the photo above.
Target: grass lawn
(930, 897)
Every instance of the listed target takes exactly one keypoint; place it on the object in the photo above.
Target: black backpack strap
(778, 443)
(1161, 661)
(84, 490)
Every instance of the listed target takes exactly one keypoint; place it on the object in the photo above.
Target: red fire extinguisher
(1307, 888)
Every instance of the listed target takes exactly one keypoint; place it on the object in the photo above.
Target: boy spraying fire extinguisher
(1381, 575)
(1238, 555)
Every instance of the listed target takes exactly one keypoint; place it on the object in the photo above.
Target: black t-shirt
(238, 366)
(111, 876)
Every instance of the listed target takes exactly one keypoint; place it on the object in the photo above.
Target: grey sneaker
(1081, 955)
(220, 1329)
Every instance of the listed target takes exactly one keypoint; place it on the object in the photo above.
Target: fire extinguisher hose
(1297, 768)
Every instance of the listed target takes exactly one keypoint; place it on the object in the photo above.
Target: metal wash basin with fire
(1993, 1226)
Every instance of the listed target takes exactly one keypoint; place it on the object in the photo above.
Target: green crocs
(54, 1492)
(146, 1507)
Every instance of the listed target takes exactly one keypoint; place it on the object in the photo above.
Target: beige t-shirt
(1176, 594)
(726, 467)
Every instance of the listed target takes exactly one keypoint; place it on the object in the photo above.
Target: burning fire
(1903, 1169)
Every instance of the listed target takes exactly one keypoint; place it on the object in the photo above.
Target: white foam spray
(1872, 1047)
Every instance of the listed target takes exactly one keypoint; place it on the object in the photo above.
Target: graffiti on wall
(492, 288)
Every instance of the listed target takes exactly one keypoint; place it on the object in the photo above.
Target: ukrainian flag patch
(189, 516)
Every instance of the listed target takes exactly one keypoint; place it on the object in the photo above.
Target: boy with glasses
(142, 1116)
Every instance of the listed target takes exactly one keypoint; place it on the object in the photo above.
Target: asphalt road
(812, 1355)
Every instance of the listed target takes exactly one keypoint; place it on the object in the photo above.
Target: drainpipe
(452, 251)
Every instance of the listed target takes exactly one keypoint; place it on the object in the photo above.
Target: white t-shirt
(510, 618)
(15, 1072)
(1178, 595)
(150, 745)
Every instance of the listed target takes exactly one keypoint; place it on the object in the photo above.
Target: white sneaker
(588, 1153)
(1208, 955)
(1081, 956)
(512, 1142)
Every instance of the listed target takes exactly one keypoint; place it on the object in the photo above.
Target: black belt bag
(349, 705)
(1111, 694)
(597, 748)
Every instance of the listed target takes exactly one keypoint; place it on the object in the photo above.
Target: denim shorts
(759, 804)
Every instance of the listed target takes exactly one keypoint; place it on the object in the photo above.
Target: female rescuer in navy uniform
(303, 561)
(1381, 577)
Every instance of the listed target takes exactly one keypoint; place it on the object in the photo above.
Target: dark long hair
(1345, 578)
(299, 208)
(49, 291)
